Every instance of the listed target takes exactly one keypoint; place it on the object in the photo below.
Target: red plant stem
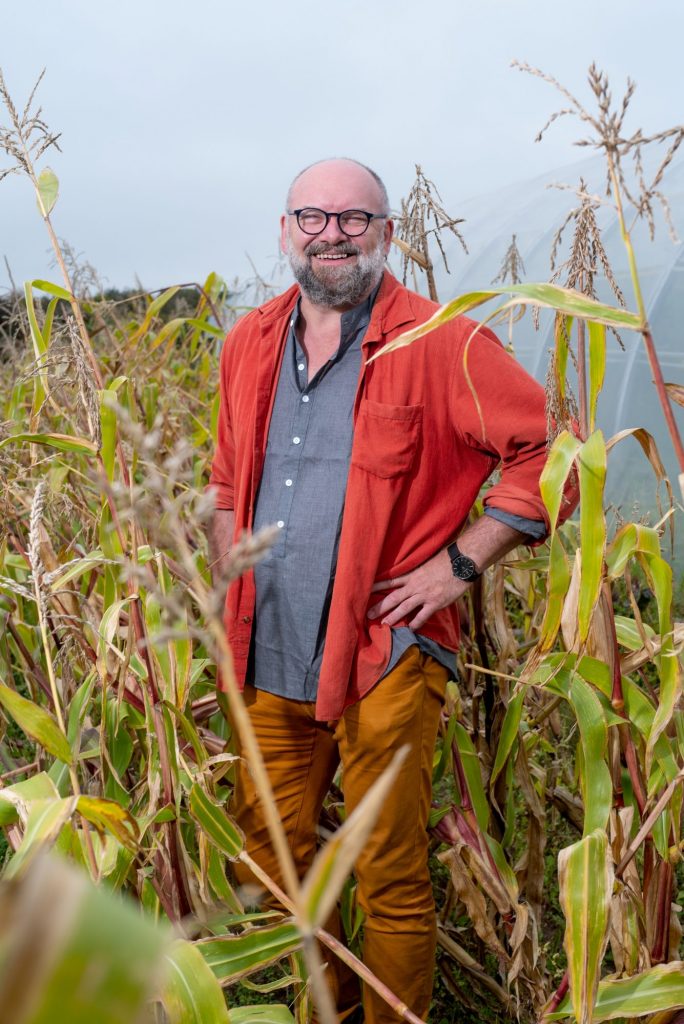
(617, 700)
(558, 996)
(654, 363)
(659, 952)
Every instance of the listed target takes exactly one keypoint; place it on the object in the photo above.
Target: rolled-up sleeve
(502, 411)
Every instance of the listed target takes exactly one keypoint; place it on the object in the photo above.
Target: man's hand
(433, 585)
(429, 587)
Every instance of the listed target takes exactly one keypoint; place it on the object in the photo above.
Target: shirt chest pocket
(387, 438)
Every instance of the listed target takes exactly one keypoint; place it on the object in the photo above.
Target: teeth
(333, 255)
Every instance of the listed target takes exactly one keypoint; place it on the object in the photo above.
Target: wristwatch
(462, 566)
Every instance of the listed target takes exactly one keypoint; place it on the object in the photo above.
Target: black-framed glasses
(351, 222)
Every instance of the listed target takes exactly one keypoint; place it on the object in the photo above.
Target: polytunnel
(533, 212)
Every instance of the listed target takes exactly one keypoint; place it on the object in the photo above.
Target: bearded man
(344, 637)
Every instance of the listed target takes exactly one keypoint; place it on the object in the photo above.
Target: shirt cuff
(534, 528)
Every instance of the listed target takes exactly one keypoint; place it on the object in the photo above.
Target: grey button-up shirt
(302, 490)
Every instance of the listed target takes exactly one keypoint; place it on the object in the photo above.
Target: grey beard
(349, 286)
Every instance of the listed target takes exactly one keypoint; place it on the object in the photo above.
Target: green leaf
(52, 289)
(652, 991)
(14, 799)
(215, 823)
(36, 723)
(509, 733)
(471, 768)
(278, 1013)
(63, 442)
(597, 367)
(585, 875)
(557, 587)
(191, 994)
(110, 815)
(596, 784)
(47, 191)
(592, 475)
(555, 472)
(74, 953)
(564, 300)
(231, 957)
(46, 819)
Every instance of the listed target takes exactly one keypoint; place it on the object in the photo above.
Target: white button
(291, 323)
(288, 483)
(300, 366)
(305, 398)
(280, 523)
(296, 440)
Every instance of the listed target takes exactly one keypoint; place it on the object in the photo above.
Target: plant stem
(653, 360)
(336, 946)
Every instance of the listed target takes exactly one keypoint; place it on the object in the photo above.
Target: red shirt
(421, 451)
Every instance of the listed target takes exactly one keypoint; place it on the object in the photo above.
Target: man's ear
(283, 234)
(389, 234)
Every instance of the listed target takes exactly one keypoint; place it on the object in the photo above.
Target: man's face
(332, 268)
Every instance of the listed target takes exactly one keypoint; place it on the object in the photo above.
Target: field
(556, 827)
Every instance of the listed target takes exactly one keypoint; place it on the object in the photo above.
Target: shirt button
(296, 440)
(305, 398)
(300, 366)
(288, 483)
(280, 523)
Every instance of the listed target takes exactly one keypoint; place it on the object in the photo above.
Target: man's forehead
(335, 181)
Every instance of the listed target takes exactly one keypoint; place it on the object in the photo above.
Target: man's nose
(332, 232)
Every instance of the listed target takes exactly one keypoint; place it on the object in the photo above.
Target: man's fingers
(401, 611)
(387, 584)
(421, 618)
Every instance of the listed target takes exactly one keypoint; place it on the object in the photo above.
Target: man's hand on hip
(424, 590)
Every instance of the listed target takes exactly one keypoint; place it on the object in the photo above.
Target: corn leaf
(557, 587)
(231, 957)
(509, 734)
(215, 823)
(592, 474)
(191, 994)
(585, 874)
(14, 800)
(36, 723)
(473, 774)
(74, 953)
(63, 442)
(596, 784)
(555, 472)
(110, 815)
(47, 191)
(278, 1013)
(654, 990)
(563, 300)
(597, 367)
(46, 819)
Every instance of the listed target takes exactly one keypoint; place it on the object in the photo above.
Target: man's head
(334, 267)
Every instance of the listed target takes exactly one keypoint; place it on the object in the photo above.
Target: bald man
(344, 637)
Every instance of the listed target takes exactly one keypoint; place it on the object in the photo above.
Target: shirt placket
(299, 427)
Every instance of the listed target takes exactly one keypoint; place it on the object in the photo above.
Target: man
(345, 635)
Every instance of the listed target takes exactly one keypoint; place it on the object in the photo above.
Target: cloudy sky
(182, 123)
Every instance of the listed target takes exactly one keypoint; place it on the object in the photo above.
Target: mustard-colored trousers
(394, 888)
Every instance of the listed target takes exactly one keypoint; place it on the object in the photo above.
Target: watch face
(464, 568)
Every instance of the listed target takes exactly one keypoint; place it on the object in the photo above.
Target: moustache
(342, 249)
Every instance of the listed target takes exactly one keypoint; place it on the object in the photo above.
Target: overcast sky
(183, 123)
